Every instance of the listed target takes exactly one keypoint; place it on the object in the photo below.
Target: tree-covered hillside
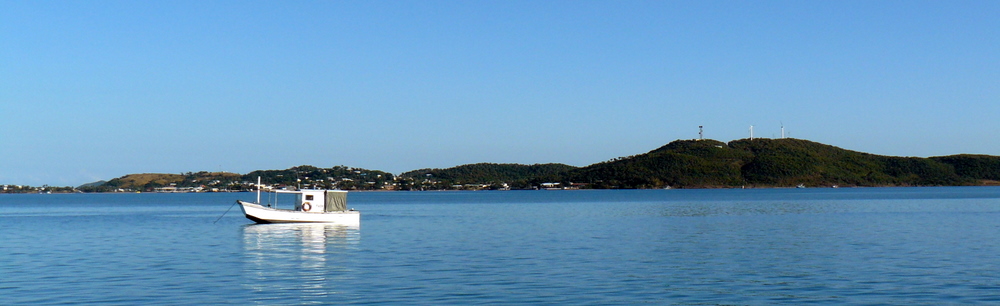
(978, 167)
(492, 175)
(705, 163)
(777, 163)
(787, 162)
(339, 177)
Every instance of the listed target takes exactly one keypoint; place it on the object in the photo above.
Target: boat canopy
(335, 201)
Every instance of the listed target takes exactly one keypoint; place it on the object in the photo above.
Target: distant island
(744, 163)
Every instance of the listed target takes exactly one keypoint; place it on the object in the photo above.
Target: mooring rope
(227, 211)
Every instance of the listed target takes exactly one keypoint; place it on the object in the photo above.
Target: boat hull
(261, 214)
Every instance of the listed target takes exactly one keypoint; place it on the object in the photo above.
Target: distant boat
(319, 206)
(801, 186)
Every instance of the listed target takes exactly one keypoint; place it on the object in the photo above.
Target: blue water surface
(727, 247)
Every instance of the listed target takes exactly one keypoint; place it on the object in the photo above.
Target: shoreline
(540, 189)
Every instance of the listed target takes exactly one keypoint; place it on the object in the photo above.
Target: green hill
(301, 176)
(778, 163)
(143, 180)
(706, 163)
(149, 181)
(787, 162)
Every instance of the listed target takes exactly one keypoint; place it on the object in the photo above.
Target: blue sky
(93, 90)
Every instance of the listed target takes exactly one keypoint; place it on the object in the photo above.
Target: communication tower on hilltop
(701, 135)
(751, 132)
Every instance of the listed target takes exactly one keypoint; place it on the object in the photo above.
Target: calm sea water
(774, 246)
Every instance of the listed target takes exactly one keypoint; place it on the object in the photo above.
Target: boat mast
(258, 190)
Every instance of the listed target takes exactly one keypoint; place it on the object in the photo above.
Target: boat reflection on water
(298, 261)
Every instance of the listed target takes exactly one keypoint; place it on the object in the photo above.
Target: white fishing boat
(321, 206)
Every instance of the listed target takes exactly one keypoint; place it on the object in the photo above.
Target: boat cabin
(320, 200)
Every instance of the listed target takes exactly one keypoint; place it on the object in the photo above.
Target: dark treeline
(484, 176)
(340, 177)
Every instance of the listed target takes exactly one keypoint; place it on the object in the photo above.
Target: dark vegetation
(484, 176)
(979, 167)
(781, 163)
(340, 177)
(679, 164)
(704, 164)
(296, 177)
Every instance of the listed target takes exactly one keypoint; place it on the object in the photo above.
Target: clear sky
(93, 90)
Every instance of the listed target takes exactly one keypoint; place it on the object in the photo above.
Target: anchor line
(227, 211)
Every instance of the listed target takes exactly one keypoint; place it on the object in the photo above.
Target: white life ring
(306, 206)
